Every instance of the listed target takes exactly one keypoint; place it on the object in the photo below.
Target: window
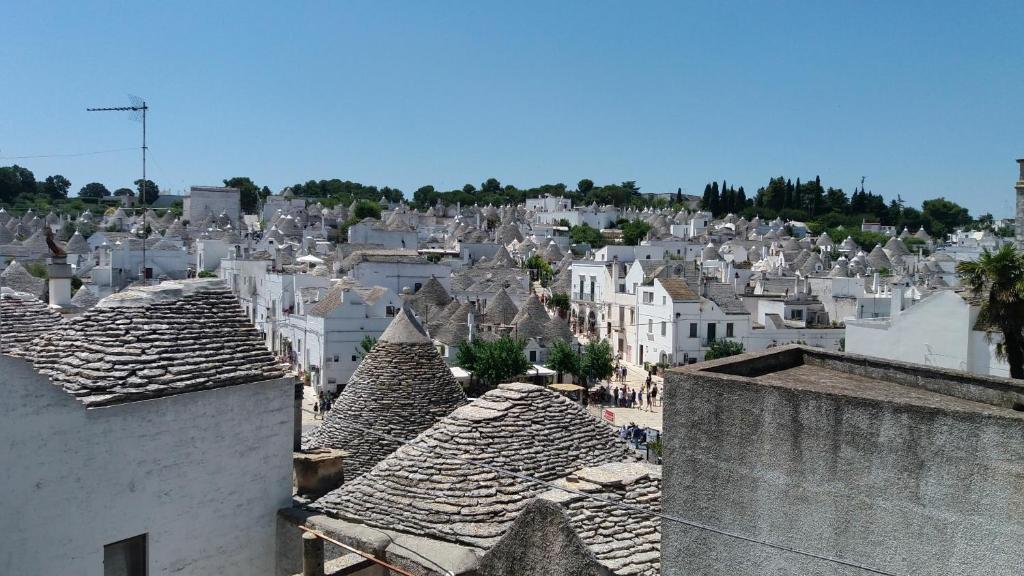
(728, 330)
(417, 286)
(648, 297)
(798, 314)
(693, 329)
(533, 355)
(662, 327)
(389, 311)
(663, 300)
(336, 359)
(125, 558)
(355, 358)
(650, 326)
(332, 380)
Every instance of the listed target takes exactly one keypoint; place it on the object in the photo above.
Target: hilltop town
(280, 386)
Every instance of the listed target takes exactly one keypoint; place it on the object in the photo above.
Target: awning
(309, 259)
(459, 373)
(539, 370)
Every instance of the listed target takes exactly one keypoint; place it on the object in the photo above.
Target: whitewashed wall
(202, 474)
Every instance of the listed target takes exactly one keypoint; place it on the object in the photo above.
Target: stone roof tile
(23, 317)
(154, 341)
(426, 488)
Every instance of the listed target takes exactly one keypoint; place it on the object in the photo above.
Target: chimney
(59, 272)
(472, 327)
(615, 274)
(876, 283)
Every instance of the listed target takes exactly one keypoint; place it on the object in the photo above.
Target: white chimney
(59, 272)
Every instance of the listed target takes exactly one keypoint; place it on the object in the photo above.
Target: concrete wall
(202, 474)
(202, 202)
(361, 233)
(906, 489)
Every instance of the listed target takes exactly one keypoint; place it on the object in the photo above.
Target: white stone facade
(201, 474)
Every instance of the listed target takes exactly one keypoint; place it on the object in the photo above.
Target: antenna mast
(138, 110)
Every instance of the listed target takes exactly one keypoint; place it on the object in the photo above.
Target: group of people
(322, 405)
(645, 398)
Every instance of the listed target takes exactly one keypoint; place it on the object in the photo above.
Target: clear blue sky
(924, 99)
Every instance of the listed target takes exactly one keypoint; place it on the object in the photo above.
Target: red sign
(608, 415)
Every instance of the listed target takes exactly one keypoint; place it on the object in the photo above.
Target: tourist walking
(654, 395)
(316, 409)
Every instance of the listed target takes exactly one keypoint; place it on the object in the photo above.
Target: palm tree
(997, 281)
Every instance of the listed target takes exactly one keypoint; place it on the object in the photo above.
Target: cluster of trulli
(474, 479)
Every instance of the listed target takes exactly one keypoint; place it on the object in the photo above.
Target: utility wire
(68, 154)
(632, 507)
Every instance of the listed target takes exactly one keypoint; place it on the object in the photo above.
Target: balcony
(583, 297)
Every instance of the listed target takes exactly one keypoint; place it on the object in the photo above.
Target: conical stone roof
(552, 253)
(16, 277)
(456, 328)
(558, 329)
(401, 388)
(531, 322)
(431, 295)
(502, 259)
(84, 299)
(77, 244)
(895, 247)
(878, 260)
(425, 488)
(6, 237)
(501, 310)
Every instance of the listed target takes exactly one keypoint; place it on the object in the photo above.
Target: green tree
(635, 231)
(493, 362)
(365, 345)
(124, 192)
(152, 191)
(944, 216)
(542, 268)
(560, 302)
(424, 196)
(93, 190)
(56, 186)
(584, 234)
(365, 209)
(249, 192)
(585, 186)
(491, 186)
(563, 359)
(997, 281)
(722, 349)
(596, 362)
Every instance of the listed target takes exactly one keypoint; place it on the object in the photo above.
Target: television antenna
(138, 111)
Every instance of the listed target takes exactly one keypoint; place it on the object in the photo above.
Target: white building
(371, 231)
(394, 269)
(211, 201)
(325, 333)
(155, 477)
(939, 330)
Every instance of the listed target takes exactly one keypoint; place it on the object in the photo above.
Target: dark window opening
(125, 558)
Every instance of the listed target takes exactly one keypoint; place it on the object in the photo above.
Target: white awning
(539, 370)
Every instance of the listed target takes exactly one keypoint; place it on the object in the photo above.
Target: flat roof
(816, 370)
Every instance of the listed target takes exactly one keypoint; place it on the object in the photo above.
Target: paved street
(635, 378)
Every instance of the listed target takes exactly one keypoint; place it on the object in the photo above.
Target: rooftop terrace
(816, 370)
